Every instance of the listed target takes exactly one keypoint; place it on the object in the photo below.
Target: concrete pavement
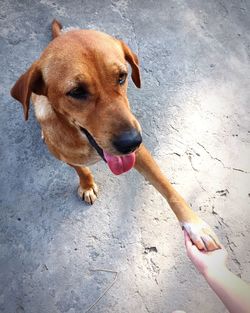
(194, 109)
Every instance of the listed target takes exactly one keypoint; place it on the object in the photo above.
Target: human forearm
(232, 291)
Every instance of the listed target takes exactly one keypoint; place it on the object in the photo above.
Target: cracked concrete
(194, 110)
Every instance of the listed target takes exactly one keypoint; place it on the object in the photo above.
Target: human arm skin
(233, 292)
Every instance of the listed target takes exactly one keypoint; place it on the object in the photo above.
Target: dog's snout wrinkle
(127, 141)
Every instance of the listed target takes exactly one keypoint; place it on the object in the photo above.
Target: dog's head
(83, 73)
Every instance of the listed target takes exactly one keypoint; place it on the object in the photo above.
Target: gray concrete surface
(194, 108)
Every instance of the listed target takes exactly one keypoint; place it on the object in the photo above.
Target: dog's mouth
(117, 164)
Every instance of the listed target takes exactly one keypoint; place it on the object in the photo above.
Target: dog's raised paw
(202, 235)
(89, 195)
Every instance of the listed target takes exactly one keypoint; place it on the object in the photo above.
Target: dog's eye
(78, 93)
(122, 78)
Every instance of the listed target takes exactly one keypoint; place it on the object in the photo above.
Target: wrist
(216, 272)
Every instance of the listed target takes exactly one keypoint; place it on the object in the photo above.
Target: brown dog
(79, 92)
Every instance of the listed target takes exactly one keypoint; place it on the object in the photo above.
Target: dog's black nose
(128, 141)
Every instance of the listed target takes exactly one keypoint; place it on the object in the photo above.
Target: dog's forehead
(79, 47)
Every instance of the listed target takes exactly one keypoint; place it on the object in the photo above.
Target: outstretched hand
(205, 261)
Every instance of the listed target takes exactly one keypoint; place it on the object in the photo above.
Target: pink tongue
(120, 164)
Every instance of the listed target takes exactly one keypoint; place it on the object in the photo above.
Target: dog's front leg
(87, 189)
(200, 233)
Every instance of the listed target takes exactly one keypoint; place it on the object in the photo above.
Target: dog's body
(78, 88)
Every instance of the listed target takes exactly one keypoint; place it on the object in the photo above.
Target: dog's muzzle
(126, 143)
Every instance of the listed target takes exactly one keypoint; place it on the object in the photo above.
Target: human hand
(205, 261)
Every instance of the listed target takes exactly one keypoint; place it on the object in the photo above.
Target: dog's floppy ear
(132, 59)
(30, 81)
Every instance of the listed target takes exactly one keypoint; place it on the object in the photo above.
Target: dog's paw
(202, 235)
(89, 195)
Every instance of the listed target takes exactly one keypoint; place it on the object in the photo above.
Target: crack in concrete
(174, 128)
(195, 170)
(142, 298)
(239, 170)
(234, 258)
(220, 161)
(121, 8)
(212, 157)
(174, 153)
(221, 219)
(223, 192)
(135, 36)
(189, 154)
(155, 267)
(229, 242)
